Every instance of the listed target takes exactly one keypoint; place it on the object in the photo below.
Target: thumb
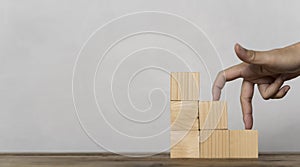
(251, 56)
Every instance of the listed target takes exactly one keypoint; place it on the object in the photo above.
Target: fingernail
(241, 49)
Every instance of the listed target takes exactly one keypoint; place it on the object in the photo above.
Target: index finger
(224, 76)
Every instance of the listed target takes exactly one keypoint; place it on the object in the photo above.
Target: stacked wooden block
(199, 129)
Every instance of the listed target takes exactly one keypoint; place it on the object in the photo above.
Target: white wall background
(39, 43)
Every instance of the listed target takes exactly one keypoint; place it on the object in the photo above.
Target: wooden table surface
(161, 160)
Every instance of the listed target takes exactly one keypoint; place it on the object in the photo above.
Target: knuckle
(221, 74)
(245, 99)
(251, 54)
(265, 97)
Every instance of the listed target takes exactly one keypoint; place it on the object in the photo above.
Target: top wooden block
(185, 85)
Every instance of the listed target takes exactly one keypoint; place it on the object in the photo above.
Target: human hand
(268, 69)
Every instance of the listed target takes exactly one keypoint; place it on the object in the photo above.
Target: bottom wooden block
(243, 144)
(214, 143)
(184, 144)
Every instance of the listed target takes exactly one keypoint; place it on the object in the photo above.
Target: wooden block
(214, 143)
(213, 115)
(185, 85)
(184, 115)
(184, 144)
(243, 144)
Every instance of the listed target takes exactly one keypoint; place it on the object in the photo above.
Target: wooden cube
(213, 115)
(184, 115)
(214, 144)
(184, 144)
(243, 144)
(185, 86)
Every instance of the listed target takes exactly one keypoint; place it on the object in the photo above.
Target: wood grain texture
(214, 144)
(213, 115)
(184, 144)
(243, 144)
(159, 160)
(184, 85)
(184, 115)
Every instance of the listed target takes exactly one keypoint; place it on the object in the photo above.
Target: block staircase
(199, 129)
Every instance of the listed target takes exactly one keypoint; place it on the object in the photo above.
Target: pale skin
(267, 69)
